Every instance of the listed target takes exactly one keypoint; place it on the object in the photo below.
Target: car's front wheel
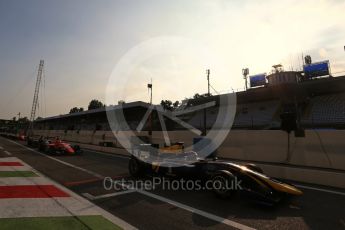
(134, 167)
(41, 147)
(48, 150)
(223, 184)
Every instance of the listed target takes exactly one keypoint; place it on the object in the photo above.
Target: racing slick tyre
(60, 152)
(48, 150)
(41, 147)
(222, 183)
(254, 168)
(77, 150)
(134, 167)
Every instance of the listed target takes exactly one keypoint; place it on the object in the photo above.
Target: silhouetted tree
(176, 104)
(23, 120)
(196, 96)
(95, 104)
(167, 105)
(76, 110)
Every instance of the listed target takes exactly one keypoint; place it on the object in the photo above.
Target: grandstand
(6, 125)
(324, 110)
(12, 126)
(319, 103)
(259, 115)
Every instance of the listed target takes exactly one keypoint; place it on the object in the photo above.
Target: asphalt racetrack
(319, 207)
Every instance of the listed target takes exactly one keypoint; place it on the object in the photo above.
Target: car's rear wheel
(222, 183)
(48, 150)
(41, 147)
(254, 168)
(134, 167)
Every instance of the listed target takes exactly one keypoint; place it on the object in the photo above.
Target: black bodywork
(253, 183)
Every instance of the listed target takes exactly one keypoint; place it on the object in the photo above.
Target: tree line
(166, 104)
(93, 104)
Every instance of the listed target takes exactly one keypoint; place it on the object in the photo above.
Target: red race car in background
(58, 147)
(22, 137)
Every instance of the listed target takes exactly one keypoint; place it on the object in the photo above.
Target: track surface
(160, 209)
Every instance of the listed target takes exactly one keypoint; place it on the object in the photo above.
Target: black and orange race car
(253, 182)
(58, 147)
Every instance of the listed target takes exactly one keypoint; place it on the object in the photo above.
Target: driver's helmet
(190, 156)
(57, 140)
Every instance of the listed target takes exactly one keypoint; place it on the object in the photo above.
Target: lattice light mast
(245, 72)
(35, 100)
(149, 87)
(208, 82)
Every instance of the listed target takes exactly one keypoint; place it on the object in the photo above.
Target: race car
(33, 140)
(22, 137)
(58, 147)
(253, 182)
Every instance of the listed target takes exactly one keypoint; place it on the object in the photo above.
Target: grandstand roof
(100, 110)
(4, 121)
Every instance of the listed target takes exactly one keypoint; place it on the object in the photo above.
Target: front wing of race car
(263, 188)
(271, 183)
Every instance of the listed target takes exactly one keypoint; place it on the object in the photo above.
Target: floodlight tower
(208, 82)
(149, 87)
(245, 73)
(35, 100)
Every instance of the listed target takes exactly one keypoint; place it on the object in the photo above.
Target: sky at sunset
(83, 42)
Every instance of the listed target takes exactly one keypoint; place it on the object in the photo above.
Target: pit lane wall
(317, 158)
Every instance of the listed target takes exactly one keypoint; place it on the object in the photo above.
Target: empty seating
(326, 109)
(257, 114)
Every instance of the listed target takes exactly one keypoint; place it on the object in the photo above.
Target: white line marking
(12, 168)
(320, 189)
(197, 211)
(180, 205)
(91, 197)
(8, 153)
(88, 196)
(11, 181)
